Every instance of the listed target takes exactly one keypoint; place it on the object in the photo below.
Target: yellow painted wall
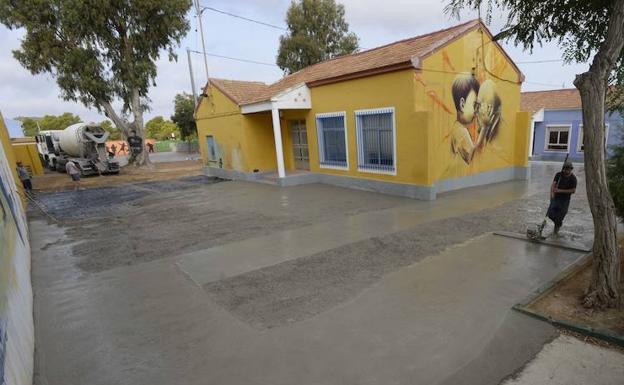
(221, 118)
(475, 54)
(10, 155)
(394, 89)
(16, 301)
(425, 118)
(259, 144)
(27, 154)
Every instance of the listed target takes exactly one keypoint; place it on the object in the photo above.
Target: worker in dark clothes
(136, 145)
(563, 186)
(24, 177)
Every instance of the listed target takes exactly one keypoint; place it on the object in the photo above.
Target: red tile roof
(237, 90)
(390, 57)
(568, 98)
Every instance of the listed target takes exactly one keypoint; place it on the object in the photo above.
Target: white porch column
(277, 134)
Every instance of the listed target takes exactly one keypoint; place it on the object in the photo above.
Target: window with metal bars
(332, 139)
(376, 135)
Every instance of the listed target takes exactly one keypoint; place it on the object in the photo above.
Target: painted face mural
(478, 108)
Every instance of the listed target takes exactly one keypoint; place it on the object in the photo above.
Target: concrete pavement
(404, 292)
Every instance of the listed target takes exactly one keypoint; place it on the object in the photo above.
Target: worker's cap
(568, 166)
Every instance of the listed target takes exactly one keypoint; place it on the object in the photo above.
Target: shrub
(615, 175)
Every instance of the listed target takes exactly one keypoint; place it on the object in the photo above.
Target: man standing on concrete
(563, 186)
(74, 173)
(24, 177)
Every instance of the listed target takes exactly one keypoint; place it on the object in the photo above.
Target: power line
(204, 7)
(540, 61)
(544, 84)
(236, 58)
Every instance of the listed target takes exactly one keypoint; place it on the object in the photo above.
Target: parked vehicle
(82, 143)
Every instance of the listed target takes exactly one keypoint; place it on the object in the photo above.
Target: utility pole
(188, 56)
(201, 32)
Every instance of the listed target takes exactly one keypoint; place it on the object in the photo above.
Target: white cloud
(375, 22)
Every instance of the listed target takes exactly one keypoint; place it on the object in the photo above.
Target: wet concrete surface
(183, 286)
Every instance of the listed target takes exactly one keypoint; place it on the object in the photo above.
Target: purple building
(557, 125)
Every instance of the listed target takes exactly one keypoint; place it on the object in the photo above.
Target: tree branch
(611, 49)
(112, 115)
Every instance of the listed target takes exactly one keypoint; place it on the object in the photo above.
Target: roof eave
(362, 74)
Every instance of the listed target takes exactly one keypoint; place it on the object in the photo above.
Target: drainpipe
(277, 135)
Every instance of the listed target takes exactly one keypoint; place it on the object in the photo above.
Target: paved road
(304, 285)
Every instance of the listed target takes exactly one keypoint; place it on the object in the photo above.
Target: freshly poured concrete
(444, 318)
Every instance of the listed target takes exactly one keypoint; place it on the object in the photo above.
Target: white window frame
(342, 114)
(547, 137)
(214, 142)
(580, 138)
(373, 111)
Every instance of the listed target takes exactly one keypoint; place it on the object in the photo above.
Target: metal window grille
(331, 138)
(375, 129)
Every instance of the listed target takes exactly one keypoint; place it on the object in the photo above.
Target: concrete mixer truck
(82, 143)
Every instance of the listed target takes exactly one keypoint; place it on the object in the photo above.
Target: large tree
(99, 51)
(183, 111)
(587, 30)
(160, 129)
(317, 31)
(113, 132)
(32, 125)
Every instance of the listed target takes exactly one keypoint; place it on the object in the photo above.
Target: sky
(23, 94)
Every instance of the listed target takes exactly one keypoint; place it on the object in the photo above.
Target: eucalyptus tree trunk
(142, 159)
(604, 288)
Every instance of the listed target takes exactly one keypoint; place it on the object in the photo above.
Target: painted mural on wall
(478, 108)
(8, 237)
(471, 91)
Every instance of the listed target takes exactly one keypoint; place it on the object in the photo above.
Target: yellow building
(421, 116)
(25, 150)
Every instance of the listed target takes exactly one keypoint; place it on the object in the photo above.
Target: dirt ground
(56, 181)
(564, 303)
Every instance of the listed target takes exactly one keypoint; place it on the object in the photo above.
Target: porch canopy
(294, 98)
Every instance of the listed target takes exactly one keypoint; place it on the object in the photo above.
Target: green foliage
(113, 132)
(578, 26)
(48, 122)
(160, 129)
(615, 175)
(317, 31)
(98, 51)
(183, 115)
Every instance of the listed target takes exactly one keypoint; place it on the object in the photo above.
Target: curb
(573, 268)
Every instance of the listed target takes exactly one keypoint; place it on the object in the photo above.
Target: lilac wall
(572, 118)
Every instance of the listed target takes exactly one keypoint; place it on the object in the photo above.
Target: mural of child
(478, 109)
(489, 110)
(465, 89)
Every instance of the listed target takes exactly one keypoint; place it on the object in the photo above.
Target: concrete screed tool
(536, 234)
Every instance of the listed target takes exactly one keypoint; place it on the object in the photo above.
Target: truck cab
(47, 146)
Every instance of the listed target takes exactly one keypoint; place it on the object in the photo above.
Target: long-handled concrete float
(546, 241)
(535, 234)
